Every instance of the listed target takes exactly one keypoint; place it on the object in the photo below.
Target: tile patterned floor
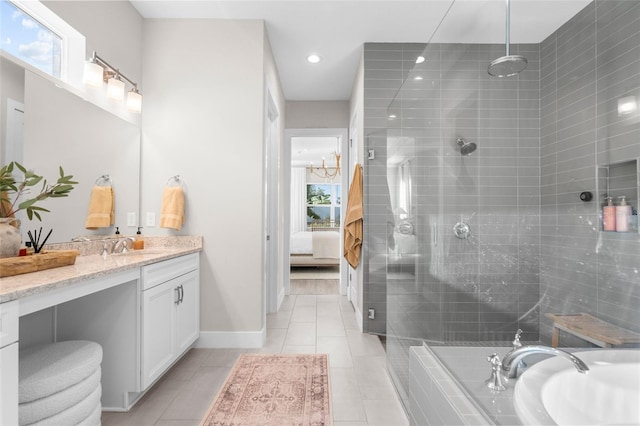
(361, 391)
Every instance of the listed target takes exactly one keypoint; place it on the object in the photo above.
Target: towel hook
(104, 179)
(175, 179)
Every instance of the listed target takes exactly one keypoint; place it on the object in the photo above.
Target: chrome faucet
(116, 249)
(511, 359)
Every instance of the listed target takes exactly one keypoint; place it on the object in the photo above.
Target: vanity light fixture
(324, 171)
(97, 72)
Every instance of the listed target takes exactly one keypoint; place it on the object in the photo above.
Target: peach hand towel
(101, 208)
(172, 212)
(354, 220)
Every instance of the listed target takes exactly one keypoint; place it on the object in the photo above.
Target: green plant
(9, 184)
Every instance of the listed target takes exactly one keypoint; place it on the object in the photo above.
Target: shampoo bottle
(609, 216)
(623, 215)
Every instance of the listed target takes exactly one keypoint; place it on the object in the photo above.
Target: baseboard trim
(280, 297)
(232, 339)
(358, 314)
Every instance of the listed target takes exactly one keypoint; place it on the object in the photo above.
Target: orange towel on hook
(101, 208)
(354, 220)
(172, 211)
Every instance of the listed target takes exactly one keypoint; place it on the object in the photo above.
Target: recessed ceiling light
(417, 78)
(314, 59)
(420, 59)
(392, 116)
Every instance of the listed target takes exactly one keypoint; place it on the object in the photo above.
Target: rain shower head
(507, 65)
(466, 148)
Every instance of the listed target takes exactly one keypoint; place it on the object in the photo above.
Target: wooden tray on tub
(37, 262)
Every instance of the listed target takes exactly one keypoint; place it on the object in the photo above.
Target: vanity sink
(553, 392)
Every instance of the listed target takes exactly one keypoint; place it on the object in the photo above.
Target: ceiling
(337, 30)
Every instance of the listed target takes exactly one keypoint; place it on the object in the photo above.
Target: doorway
(315, 264)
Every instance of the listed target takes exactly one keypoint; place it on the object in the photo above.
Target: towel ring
(175, 179)
(104, 180)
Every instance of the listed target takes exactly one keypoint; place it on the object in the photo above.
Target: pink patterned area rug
(274, 390)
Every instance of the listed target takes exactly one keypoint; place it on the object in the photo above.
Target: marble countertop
(89, 265)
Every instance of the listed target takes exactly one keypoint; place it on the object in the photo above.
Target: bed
(315, 248)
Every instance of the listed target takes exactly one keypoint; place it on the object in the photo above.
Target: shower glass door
(460, 242)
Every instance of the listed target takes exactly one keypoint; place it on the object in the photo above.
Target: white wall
(203, 119)
(317, 114)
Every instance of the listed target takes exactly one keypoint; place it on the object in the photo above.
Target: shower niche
(619, 181)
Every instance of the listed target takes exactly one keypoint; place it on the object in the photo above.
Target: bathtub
(552, 391)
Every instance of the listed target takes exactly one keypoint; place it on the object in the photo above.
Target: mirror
(62, 129)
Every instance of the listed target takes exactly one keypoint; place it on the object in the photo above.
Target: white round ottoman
(59, 383)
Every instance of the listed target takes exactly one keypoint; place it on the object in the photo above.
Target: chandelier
(324, 171)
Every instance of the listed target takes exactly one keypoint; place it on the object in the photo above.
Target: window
(323, 205)
(35, 35)
(28, 40)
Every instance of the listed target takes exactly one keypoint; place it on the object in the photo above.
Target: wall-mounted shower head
(466, 148)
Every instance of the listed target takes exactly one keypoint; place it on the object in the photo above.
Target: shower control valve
(461, 230)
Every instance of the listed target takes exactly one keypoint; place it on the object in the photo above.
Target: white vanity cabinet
(170, 314)
(8, 363)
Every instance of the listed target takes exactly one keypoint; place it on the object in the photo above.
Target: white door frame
(343, 136)
(353, 274)
(271, 214)
(14, 145)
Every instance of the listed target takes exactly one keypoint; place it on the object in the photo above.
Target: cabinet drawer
(161, 272)
(8, 323)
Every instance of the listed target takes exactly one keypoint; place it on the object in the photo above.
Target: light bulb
(92, 74)
(134, 101)
(115, 89)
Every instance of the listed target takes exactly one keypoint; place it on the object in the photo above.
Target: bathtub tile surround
(542, 138)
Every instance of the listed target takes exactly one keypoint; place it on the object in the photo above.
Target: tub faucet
(512, 359)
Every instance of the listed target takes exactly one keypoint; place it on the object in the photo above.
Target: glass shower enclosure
(476, 224)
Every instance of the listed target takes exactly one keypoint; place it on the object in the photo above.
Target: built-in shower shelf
(616, 180)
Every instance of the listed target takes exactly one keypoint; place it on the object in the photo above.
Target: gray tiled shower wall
(535, 248)
(588, 65)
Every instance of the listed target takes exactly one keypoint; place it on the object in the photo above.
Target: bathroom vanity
(142, 307)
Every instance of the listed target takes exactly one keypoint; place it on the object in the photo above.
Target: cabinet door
(188, 311)
(9, 385)
(158, 330)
